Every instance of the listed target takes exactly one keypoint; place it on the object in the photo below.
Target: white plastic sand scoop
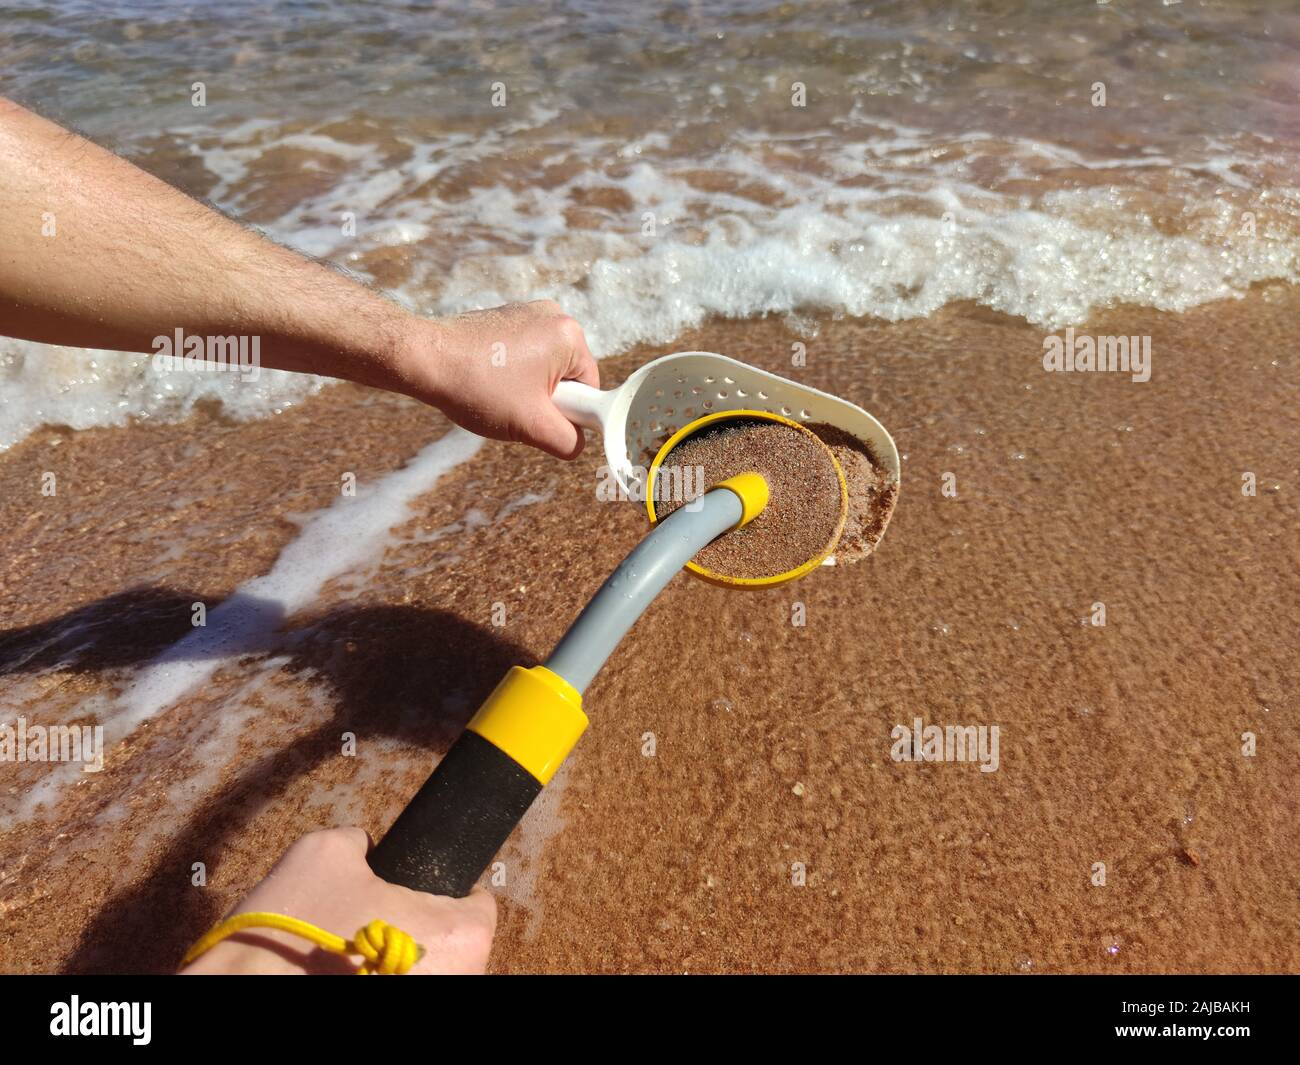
(672, 391)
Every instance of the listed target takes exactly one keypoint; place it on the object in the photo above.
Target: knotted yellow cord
(388, 951)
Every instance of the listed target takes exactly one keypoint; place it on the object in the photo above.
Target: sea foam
(869, 219)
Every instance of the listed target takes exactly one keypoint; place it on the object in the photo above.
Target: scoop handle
(583, 405)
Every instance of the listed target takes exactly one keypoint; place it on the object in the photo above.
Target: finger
(583, 367)
(582, 364)
(356, 840)
(332, 842)
(480, 905)
(555, 434)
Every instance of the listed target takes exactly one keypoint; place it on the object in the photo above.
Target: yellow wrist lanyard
(387, 951)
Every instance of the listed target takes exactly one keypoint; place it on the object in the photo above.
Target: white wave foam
(870, 219)
(347, 537)
(45, 384)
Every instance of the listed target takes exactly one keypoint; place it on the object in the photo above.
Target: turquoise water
(1176, 73)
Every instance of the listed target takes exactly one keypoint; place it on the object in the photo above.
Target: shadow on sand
(407, 672)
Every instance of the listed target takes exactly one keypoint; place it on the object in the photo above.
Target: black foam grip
(458, 820)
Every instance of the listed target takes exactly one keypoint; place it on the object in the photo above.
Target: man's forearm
(97, 253)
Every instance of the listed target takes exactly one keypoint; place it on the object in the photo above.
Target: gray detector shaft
(639, 578)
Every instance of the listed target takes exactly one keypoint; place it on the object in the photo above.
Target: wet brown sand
(872, 493)
(1119, 744)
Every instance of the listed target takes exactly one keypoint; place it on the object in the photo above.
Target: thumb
(479, 905)
(553, 433)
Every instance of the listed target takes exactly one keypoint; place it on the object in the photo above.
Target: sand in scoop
(802, 514)
(803, 510)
